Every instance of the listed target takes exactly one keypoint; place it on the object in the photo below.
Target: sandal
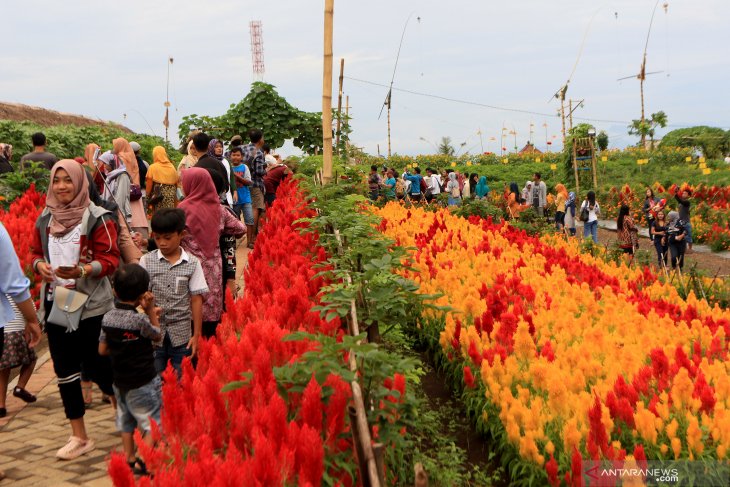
(138, 467)
(26, 396)
(86, 390)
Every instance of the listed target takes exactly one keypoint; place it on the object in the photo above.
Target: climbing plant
(265, 109)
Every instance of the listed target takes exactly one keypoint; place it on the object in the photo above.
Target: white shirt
(592, 214)
(64, 251)
(435, 184)
(229, 196)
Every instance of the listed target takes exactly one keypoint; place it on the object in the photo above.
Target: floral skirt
(16, 351)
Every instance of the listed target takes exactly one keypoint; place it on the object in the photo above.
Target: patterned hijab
(6, 151)
(65, 217)
(211, 149)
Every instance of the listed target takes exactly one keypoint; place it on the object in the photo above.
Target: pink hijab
(67, 217)
(202, 209)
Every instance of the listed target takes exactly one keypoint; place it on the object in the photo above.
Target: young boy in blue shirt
(242, 196)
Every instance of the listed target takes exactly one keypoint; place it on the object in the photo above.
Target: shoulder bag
(584, 213)
(67, 307)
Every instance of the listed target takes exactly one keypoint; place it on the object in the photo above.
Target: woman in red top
(628, 234)
(75, 246)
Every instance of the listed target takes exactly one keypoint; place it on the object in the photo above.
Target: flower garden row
(572, 358)
(710, 213)
(250, 413)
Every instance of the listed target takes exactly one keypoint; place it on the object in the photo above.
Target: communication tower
(257, 49)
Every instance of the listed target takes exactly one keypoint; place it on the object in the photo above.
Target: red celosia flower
(551, 467)
(468, 377)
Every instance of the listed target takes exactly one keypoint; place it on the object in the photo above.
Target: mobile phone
(67, 267)
(97, 152)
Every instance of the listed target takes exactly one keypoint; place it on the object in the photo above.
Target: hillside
(47, 118)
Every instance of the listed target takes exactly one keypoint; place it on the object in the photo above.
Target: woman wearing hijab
(527, 193)
(162, 180)
(122, 149)
(452, 189)
(560, 200)
(473, 181)
(117, 184)
(482, 189)
(188, 161)
(215, 151)
(677, 239)
(75, 246)
(207, 220)
(6, 153)
(569, 221)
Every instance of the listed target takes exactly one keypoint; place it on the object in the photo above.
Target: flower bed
(232, 420)
(573, 358)
(19, 220)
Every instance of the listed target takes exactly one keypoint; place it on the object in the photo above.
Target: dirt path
(707, 262)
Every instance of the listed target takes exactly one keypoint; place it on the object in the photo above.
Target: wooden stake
(329, 7)
(339, 105)
(389, 128)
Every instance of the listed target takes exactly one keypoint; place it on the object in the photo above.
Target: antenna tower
(257, 49)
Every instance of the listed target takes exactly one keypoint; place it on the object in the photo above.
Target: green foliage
(69, 141)
(602, 140)
(647, 127)
(14, 184)
(481, 208)
(445, 147)
(532, 223)
(713, 141)
(265, 109)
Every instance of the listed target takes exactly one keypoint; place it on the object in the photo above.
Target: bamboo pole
(339, 105)
(329, 7)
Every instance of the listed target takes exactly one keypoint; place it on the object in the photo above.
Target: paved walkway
(30, 434)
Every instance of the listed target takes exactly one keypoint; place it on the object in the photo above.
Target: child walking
(127, 336)
(178, 283)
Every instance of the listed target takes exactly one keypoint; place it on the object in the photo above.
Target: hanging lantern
(504, 149)
(453, 164)
(549, 142)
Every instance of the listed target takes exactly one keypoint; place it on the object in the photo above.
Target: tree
(713, 141)
(602, 140)
(445, 147)
(265, 109)
(644, 128)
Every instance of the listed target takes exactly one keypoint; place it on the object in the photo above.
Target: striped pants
(69, 351)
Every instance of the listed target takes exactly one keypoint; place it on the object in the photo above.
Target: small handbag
(156, 196)
(135, 192)
(584, 213)
(67, 307)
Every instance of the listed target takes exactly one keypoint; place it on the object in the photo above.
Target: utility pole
(347, 124)
(329, 7)
(389, 124)
(339, 106)
(562, 117)
(570, 113)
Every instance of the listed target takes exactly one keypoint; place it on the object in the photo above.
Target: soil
(458, 426)
(707, 262)
(47, 118)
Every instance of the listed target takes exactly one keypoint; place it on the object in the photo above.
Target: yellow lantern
(408, 166)
(538, 160)
(688, 159)
(553, 166)
(703, 165)
(701, 159)
(415, 164)
(604, 158)
(706, 171)
(505, 160)
(453, 164)
(468, 163)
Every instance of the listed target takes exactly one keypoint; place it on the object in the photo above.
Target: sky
(105, 59)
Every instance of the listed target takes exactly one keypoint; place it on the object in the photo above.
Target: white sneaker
(75, 448)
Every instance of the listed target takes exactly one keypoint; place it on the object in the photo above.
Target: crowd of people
(669, 232)
(135, 260)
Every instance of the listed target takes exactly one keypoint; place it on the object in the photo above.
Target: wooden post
(329, 7)
(562, 116)
(339, 106)
(570, 114)
(388, 127)
(593, 163)
(347, 124)
(575, 170)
